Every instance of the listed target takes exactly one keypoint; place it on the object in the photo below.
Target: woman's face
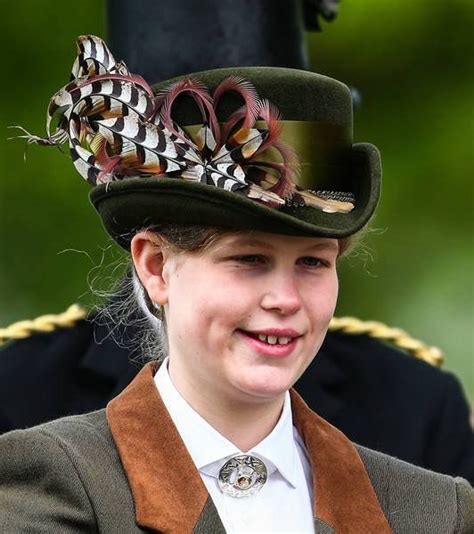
(246, 316)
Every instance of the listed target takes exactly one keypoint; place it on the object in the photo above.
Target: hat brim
(127, 206)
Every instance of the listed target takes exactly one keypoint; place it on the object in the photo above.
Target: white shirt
(284, 504)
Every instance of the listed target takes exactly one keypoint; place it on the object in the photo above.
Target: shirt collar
(278, 449)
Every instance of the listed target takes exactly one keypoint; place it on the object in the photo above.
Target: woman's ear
(149, 256)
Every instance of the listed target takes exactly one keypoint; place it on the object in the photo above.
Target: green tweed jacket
(126, 470)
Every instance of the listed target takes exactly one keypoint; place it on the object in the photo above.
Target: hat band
(322, 148)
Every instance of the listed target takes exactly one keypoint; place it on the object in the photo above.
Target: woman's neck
(244, 425)
(244, 422)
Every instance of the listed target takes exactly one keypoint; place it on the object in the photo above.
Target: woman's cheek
(323, 303)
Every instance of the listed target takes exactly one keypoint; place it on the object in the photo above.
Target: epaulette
(348, 325)
(396, 336)
(43, 324)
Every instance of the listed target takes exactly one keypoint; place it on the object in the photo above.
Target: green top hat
(257, 148)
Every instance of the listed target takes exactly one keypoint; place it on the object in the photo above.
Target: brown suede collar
(170, 496)
(343, 494)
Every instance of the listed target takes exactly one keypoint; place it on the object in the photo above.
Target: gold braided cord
(44, 323)
(347, 325)
(397, 336)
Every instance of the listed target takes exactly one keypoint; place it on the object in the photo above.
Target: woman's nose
(282, 295)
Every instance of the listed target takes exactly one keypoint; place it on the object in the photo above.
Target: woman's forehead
(269, 241)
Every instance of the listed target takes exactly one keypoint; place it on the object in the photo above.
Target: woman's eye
(250, 259)
(310, 261)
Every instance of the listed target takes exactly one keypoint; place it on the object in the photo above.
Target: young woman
(235, 217)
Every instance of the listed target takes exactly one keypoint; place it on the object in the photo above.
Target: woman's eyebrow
(331, 246)
(251, 242)
(327, 245)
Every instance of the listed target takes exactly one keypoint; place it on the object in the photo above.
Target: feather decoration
(258, 193)
(117, 128)
(271, 115)
(196, 90)
(93, 57)
(328, 205)
(247, 92)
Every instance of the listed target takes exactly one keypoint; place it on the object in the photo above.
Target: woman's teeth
(274, 340)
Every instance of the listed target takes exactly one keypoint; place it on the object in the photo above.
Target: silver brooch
(242, 476)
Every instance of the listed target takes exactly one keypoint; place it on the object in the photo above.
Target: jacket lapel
(168, 492)
(344, 499)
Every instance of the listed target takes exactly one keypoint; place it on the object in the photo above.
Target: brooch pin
(242, 476)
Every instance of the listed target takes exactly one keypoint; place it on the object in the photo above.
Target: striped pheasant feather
(117, 128)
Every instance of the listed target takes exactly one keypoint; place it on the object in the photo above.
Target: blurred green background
(412, 62)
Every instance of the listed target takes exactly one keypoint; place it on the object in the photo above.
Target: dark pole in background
(160, 39)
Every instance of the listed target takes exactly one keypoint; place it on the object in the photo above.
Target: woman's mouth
(276, 344)
(274, 340)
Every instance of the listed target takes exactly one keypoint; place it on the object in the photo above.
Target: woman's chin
(266, 386)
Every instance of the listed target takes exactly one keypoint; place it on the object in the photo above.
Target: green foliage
(412, 65)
